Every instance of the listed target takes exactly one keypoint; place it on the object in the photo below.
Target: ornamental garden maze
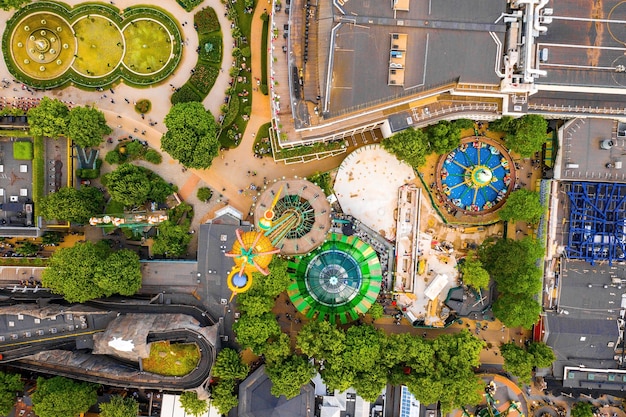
(49, 44)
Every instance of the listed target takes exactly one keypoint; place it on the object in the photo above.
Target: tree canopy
(86, 271)
(525, 135)
(517, 310)
(521, 361)
(409, 145)
(321, 340)
(10, 385)
(229, 365)
(223, 396)
(443, 137)
(12, 4)
(133, 185)
(289, 375)
(48, 119)
(62, 397)
(254, 302)
(582, 409)
(278, 349)
(192, 404)
(71, 204)
(172, 240)
(191, 136)
(86, 126)
(119, 406)
(277, 281)
(253, 332)
(523, 205)
(474, 275)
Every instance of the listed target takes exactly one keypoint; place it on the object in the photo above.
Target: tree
(78, 271)
(376, 311)
(289, 376)
(474, 275)
(278, 349)
(253, 332)
(229, 365)
(254, 302)
(321, 340)
(27, 249)
(582, 409)
(517, 310)
(204, 194)
(132, 185)
(503, 124)
(191, 136)
(522, 205)
(172, 240)
(10, 384)
(409, 145)
(362, 347)
(517, 361)
(86, 126)
(542, 354)
(443, 137)
(72, 205)
(369, 385)
(528, 136)
(119, 406)
(277, 281)
(48, 119)
(223, 396)
(12, 4)
(192, 404)
(62, 397)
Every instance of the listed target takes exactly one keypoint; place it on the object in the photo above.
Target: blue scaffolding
(597, 228)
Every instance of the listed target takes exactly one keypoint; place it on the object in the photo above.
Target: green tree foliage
(474, 275)
(277, 281)
(192, 404)
(78, 272)
(27, 249)
(119, 406)
(172, 240)
(289, 375)
(133, 185)
(229, 365)
(48, 119)
(525, 135)
(517, 310)
(12, 4)
(362, 346)
(542, 354)
(223, 396)
(464, 124)
(253, 332)
(443, 137)
(254, 302)
(10, 385)
(204, 194)
(409, 145)
(517, 361)
(191, 137)
(321, 340)
(71, 204)
(86, 126)
(582, 409)
(62, 397)
(376, 311)
(522, 205)
(278, 349)
(513, 264)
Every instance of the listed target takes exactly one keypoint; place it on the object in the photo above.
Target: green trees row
(229, 369)
(71, 204)
(524, 205)
(84, 125)
(413, 145)
(521, 361)
(86, 271)
(513, 264)
(133, 185)
(524, 135)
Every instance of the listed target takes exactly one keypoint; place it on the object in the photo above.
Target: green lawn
(100, 46)
(148, 46)
(172, 359)
(23, 151)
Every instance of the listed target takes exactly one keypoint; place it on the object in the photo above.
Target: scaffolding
(597, 218)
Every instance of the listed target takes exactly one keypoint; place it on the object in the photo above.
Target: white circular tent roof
(367, 187)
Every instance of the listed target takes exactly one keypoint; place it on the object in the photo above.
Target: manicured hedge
(189, 5)
(204, 77)
(185, 94)
(206, 21)
(215, 55)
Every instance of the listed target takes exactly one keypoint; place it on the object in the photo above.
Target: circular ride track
(477, 176)
(338, 281)
(92, 45)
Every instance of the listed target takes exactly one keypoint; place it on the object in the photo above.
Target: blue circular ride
(477, 176)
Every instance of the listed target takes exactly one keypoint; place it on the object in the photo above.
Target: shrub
(206, 21)
(188, 5)
(204, 77)
(87, 174)
(134, 149)
(113, 157)
(153, 157)
(143, 106)
(212, 53)
(204, 194)
(245, 51)
(263, 89)
(185, 94)
(233, 111)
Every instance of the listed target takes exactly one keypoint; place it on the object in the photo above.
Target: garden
(171, 359)
(48, 44)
